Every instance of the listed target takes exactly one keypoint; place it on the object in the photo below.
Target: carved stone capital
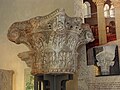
(99, 2)
(53, 41)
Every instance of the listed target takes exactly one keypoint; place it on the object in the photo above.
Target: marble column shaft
(116, 4)
(101, 21)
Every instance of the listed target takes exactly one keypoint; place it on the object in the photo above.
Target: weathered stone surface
(6, 77)
(53, 41)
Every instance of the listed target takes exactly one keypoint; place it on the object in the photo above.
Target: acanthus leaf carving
(53, 41)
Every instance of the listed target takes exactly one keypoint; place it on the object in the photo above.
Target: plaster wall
(18, 10)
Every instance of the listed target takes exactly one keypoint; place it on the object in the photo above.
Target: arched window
(106, 11)
(87, 10)
(112, 11)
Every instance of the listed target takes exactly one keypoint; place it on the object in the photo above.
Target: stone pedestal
(52, 82)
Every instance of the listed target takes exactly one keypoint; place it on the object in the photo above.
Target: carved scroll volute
(53, 41)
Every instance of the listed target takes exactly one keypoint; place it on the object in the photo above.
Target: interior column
(116, 4)
(101, 21)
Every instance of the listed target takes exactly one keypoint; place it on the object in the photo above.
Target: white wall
(18, 10)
